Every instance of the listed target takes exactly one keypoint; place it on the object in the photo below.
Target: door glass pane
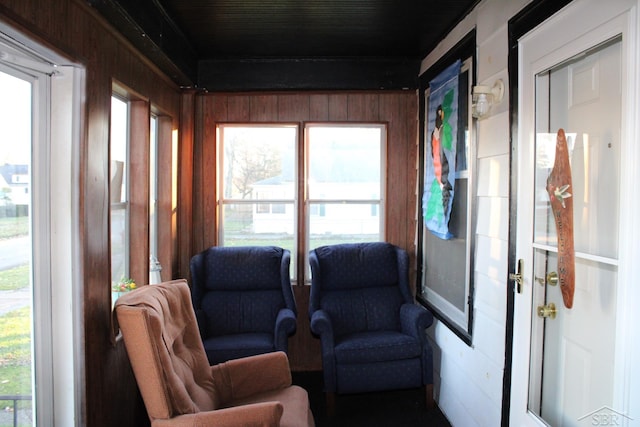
(573, 349)
(583, 97)
(16, 372)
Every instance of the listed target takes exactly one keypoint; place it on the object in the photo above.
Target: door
(568, 367)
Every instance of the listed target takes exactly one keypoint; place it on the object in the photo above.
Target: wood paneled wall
(397, 109)
(75, 31)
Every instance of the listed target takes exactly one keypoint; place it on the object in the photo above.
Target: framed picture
(447, 160)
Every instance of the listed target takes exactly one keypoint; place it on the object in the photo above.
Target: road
(14, 252)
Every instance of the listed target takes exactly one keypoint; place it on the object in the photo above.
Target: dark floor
(404, 408)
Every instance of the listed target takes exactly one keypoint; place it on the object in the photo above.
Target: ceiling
(228, 45)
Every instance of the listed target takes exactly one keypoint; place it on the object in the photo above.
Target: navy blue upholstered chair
(372, 333)
(243, 300)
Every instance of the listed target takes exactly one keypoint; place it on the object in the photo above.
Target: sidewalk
(13, 300)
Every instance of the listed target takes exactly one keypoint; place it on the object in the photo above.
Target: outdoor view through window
(15, 251)
(341, 190)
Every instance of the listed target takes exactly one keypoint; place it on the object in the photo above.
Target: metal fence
(15, 410)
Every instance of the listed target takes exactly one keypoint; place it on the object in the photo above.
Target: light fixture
(484, 97)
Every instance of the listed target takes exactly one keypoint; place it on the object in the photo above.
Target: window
(345, 181)
(154, 267)
(446, 246)
(261, 197)
(119, 190)
(258, 171)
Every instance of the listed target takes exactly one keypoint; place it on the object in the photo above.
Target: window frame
(322, 202)
(263, 206)
(458, 251)
(56, 134)
(137, 173)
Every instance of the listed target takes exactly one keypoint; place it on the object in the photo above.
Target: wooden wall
(397, 109)
(72, 29)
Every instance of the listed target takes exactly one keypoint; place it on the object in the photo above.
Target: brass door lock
(551, 278)
(518, 276)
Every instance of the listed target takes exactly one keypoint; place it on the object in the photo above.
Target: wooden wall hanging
(559, 185)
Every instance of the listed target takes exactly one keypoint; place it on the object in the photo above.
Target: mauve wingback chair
(179, 387)
(243, 300)
(372, 333)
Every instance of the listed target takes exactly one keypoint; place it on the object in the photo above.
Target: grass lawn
(14, 226)
(15, 352)
(14, 278)
(15, 341)
(15, 332)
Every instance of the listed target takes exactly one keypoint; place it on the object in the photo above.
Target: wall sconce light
(484, 97)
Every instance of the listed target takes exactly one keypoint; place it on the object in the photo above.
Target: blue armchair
(372, 334)
(243, 300)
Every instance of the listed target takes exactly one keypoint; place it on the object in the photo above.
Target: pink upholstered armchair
(178, 386)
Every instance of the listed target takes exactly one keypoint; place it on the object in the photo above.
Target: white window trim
(58, 372)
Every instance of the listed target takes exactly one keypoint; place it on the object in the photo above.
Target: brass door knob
(548, 310)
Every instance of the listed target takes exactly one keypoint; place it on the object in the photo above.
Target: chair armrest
(414, 319)
(321, 325)
(244, 377)
(285, 326)
(255, 414)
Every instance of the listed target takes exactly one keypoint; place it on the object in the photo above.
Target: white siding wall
(469, 379)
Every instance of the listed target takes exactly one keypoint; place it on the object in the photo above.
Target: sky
(15, 120)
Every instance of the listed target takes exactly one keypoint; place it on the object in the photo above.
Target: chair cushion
(359, 310)
(382, 346)
(241, 268)
(358, 265)
(229, 312)
(392, 375)
(227, 347)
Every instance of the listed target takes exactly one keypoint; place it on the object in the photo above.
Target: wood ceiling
(233, 45)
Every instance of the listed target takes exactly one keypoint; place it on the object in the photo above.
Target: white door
(569, 363)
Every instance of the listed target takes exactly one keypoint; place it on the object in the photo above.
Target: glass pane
(119, 214)
(260, 224)
(16, 373)
(578, 101)
(345, 162)
(259, 162)
(333, 223)
(118, 245)
(154, 265)
(118, 147)
(153, 187)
